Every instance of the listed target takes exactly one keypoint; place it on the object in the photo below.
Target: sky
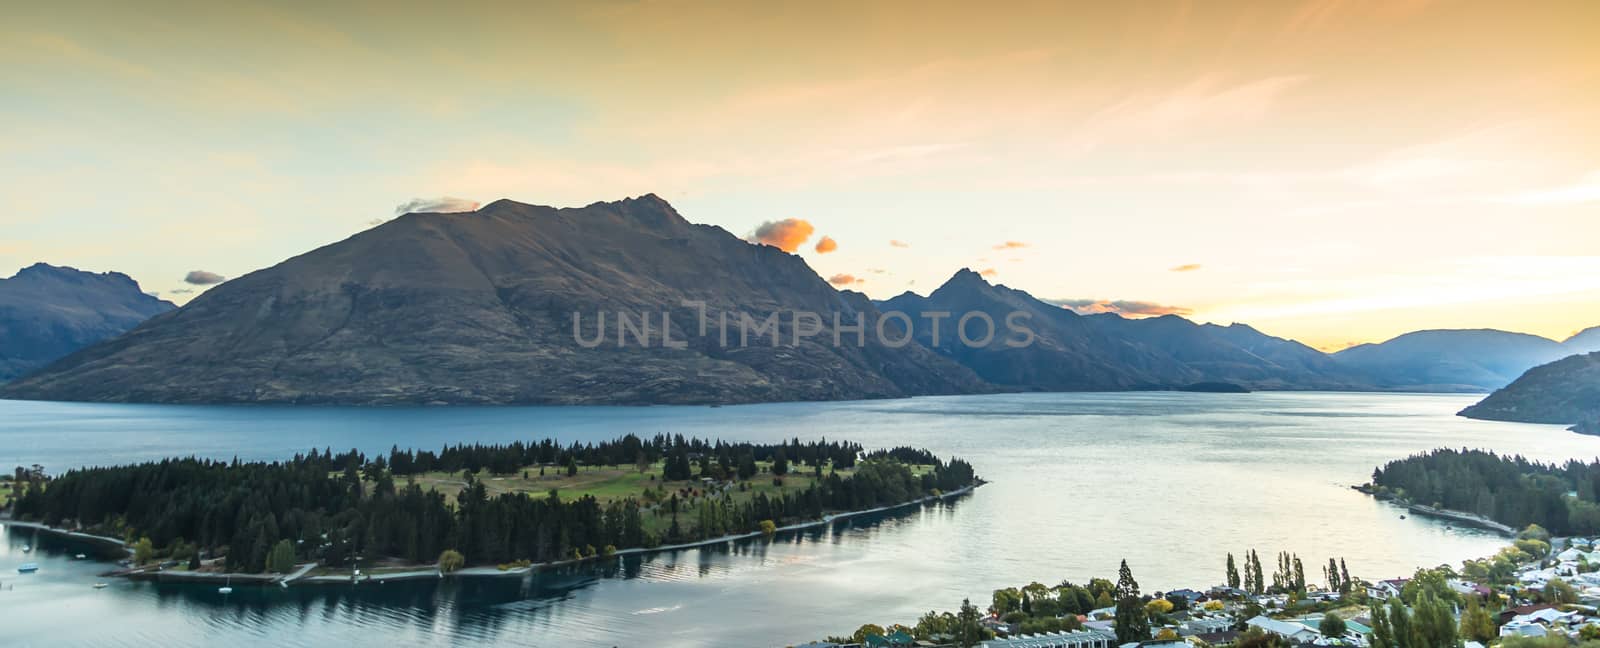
(1335, 172)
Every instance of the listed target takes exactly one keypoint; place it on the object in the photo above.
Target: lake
(1169, 481)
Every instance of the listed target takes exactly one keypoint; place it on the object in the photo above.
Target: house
(1522, 629)
(1385, 589)
(1219, 639)
(1292, 631)
(1188, 595)
(1507, 615)
(1065, 639)
(1224, 592)
(897, 639)
(1203, 625)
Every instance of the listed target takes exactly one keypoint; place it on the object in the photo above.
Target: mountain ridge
(47, 312)
(477, 307)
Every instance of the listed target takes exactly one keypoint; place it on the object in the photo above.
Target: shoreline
(420, 572)
(1463, 517)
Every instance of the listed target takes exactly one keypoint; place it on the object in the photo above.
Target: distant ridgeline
(1509, 490)
(626, 493)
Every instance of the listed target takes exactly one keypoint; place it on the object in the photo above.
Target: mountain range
(501, 305)
(47, 312)
(1471, 360)
(1075, 352)
(478, 307)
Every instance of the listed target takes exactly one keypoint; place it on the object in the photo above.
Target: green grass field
(610, 483)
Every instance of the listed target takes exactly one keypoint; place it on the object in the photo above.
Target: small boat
(27, 548)
(80, 557)
(224, 590)
(1402, 517)
(99, 585)
(27, 568)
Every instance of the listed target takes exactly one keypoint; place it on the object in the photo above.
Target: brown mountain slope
(478, 308)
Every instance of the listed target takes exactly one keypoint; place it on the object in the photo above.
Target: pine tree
(1233, 573)
(1132, 622)
(1127, 587)
(1344, 578)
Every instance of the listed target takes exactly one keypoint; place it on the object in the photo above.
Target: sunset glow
(1336, 172)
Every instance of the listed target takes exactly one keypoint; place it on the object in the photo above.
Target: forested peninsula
(1510, 490)
(508, 505)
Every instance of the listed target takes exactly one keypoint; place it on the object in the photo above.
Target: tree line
(340, 507)
(1508, 489)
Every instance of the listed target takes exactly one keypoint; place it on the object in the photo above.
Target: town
(1539, 592)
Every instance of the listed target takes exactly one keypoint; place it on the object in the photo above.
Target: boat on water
(99, 585)
(27, 548)
(27, 568)
(80, 557)
(227, 588)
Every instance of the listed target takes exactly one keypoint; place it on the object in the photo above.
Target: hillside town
(1539, 592)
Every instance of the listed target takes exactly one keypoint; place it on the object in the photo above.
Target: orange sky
(1336, 172)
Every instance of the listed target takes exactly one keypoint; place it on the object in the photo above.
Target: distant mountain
(1451, 360)
(1068, 353)
(1236, 353)
(47, 312)
(479, 307)
(1585, 341)
(1566, 391)
(1107, 351)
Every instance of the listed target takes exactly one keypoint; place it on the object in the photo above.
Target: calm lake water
(1169, 481)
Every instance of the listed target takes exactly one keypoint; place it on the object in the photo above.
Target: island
(327, 516)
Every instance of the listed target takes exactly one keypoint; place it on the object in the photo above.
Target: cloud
(440, 205)
(203, 278)
(1011, 245)
(877, 270)
(826, 245)
(898, 243)
(180, 291)
(1187, 267)
(1120, 306)
(988, 272)
(787, 235)
(843, 279)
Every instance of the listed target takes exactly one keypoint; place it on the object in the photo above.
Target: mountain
(1566, 391)
(47, 312)
(1109, 352)
(1236, 353)
(1585, 341)
(480, 307)
(1067, 354)
(1451, 360)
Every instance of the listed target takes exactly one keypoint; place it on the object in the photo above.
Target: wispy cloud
(440, 205)
(1586, 190)
(843, 279)
(1011, 245)
(1187, 267)
(898, 243)
(1128, 307)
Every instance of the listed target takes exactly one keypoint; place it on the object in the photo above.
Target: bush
(768, 527)
(451, 560)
